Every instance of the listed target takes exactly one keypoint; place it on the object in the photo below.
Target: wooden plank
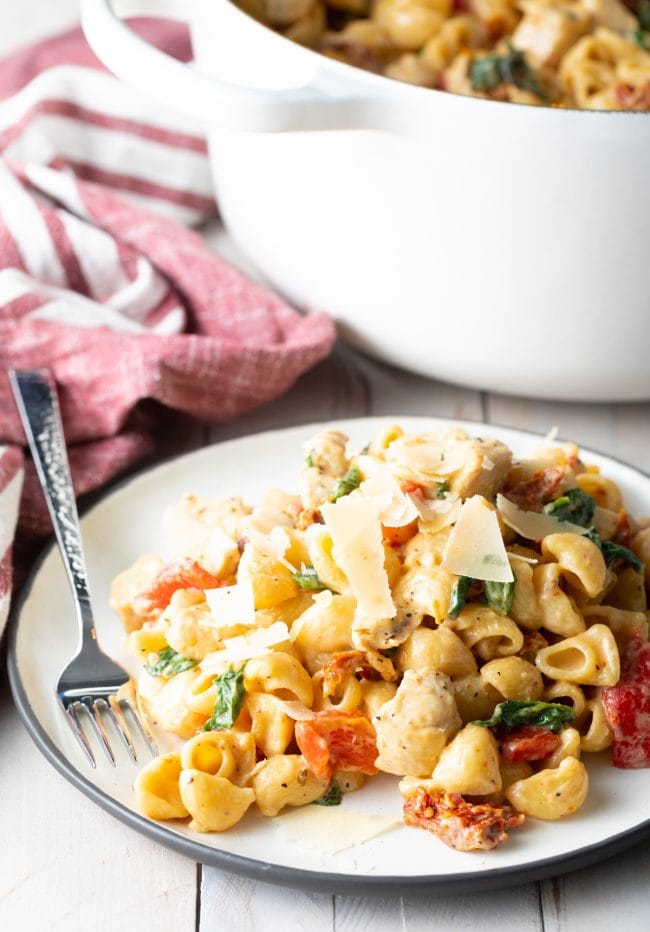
(612, 895)
(65, 860)
(357, 914)
(394, 391)
(232, 902)
(477, 912)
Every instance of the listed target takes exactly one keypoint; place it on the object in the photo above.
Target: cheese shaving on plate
(475, 547)
(332, 830)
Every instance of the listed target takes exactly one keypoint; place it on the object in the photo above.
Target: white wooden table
(67, 865)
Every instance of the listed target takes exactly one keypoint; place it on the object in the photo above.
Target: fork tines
(95, 710)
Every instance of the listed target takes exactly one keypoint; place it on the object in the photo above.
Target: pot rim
(356, 74)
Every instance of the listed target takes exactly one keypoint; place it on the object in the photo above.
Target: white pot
(501, 246)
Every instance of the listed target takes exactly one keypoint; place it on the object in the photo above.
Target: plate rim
(287, 876)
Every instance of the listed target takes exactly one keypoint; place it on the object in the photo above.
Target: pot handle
(223, 105)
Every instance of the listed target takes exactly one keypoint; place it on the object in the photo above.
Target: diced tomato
(412, 488)
(529, 743)
(628, 706)
(396, 536)
(530, 494)
(337, 738)
(461, 825)
(182, 574)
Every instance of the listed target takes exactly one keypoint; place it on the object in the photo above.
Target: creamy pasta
(428, 607)
(590, 54)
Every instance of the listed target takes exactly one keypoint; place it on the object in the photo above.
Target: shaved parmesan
(520, 556)
(295, 709)
(255, 642)
(426, 457)
(531, 524)
(332, 830)
(232, 605)
(437, 522)
(475, 547)
(430, 508)
(395, 509)
(323, 598)
(353, 523)
(273, 545)
(551, 435)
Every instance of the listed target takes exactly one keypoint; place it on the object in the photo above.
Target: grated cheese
(475, 547)
(332, 830)
(353, 523)
(531, 524)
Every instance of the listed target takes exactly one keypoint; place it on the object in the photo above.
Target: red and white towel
(102, 281)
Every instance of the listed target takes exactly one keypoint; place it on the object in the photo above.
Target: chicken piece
(207, 529)
(461, 825)
(128, 585)
(414, 726)
(611, 14)
(325, 462)
(193, 631)
(373, 634)
(499, 16)
(547, 32)
(485, 470)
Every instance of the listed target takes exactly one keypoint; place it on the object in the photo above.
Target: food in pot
(590, 54)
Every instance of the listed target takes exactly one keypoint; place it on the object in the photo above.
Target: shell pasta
(590, 54)
(428, 608)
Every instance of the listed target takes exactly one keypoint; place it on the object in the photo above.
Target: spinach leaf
(459, 596)
(307, 578)
(643, 14)
(169, 663)
(612, 551)
(347, 484)
(488, 72)
(230, 698)
(575, 505)
(331, 797)
(515, 713)
(499, 595)
(443, 488)
(642, 39)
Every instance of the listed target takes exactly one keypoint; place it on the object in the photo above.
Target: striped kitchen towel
(102, 281)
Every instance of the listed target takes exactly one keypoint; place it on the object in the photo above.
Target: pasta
(427, 608)
(590, 54)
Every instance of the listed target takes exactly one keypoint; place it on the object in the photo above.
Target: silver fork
(87, 688)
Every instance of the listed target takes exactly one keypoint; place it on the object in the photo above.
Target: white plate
(126, 524)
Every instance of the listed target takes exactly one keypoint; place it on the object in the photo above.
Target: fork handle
(38, 406)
